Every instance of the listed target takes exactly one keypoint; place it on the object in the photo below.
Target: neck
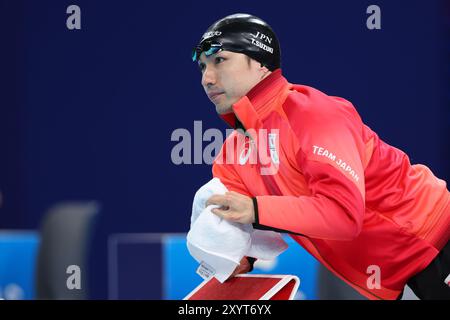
(258, 102)
(266, 75)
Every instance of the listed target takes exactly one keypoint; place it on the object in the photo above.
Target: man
(351, 200)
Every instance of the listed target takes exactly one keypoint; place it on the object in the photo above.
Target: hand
(235, 207)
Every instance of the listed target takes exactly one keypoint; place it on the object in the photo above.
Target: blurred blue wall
(88, 114)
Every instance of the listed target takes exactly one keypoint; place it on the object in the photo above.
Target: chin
(220, 109)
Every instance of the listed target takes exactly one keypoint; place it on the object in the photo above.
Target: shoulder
(307, 108)
(310, 101)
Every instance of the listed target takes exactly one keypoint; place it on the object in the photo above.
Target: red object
(247, 287)
(323, 176)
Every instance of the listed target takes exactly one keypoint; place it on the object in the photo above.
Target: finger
(217, 199)
(228, 215)
(223, 213)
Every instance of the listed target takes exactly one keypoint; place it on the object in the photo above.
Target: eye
(219, 59)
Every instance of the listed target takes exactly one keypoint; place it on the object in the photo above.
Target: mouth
(214, 95)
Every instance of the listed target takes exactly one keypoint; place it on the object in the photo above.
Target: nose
(208, 77)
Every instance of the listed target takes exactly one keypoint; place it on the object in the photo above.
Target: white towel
(219, 245)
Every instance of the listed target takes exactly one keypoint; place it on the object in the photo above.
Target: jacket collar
(252, 108)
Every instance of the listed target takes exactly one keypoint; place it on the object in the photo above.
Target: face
(227, 77)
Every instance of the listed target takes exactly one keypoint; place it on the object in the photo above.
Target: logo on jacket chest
(246, 151)
(261, 150)
(273, 145)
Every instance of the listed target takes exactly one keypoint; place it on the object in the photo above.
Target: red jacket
(351, 200)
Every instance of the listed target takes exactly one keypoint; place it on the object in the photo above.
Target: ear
(264, 71)
(263, 68)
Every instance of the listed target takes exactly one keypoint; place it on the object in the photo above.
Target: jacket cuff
(255, 210)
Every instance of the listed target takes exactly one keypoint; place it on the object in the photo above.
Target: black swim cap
(242, 33)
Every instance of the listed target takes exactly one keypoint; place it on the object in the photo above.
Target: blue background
(179, 282)
(18, 253)
(88, 114)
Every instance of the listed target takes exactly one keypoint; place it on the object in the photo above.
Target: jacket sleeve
(329, 155)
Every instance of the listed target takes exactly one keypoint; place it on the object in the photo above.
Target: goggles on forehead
(208, 47)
